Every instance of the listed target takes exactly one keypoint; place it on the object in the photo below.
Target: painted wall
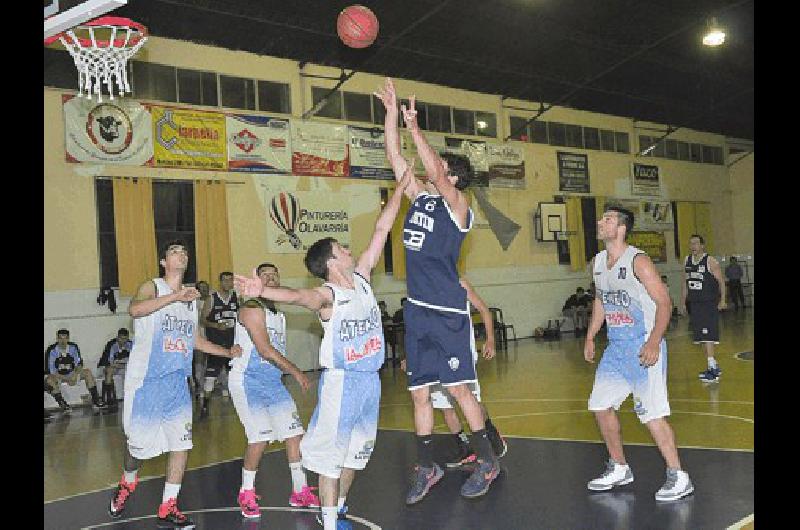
(525, 281)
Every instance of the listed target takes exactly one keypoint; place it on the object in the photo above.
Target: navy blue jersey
(701, 285)
(433, 239)
(225, 312)
(114, 352)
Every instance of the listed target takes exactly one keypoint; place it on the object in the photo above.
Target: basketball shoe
(465, 457)
(616, 474)
(248, 502)
(479, 481)
(342, 523)
(676, 486)
(304, 498)
(169, 516)
(422, 480)
(120, 497)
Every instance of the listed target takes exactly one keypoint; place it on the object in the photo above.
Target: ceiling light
(715, 34)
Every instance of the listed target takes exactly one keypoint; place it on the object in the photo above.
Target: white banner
(258, 144)
(368, 155)
(112, 132)
(506, 165)
(319, 149)
(297, 219)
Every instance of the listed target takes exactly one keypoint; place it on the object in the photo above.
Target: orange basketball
(357, 26)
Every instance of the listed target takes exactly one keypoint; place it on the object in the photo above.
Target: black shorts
(437, 347)
(704, 322)
(215, 365)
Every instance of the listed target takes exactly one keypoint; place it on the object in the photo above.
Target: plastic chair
(501, 328)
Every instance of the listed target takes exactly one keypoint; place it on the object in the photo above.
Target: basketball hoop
(101, 49)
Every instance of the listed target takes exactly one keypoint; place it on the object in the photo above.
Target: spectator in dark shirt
(113, 360)
(733, 273)
(398, 315)
(576, 308)
(63, 364)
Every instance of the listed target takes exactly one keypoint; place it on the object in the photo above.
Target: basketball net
(101, 49)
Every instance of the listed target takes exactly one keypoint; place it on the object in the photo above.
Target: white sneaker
(616, 474)
(676, 487)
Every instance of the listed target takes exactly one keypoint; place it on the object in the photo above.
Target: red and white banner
(258, 144)
(319, 149)
(112, 132)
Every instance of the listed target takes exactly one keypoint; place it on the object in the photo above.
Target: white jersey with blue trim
(353, 338)
(251, 361)
(164, 340)
(630, 311)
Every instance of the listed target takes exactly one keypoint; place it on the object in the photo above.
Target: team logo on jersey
(638, 408)
(188, 436)
(701, 268)
(622, 273)
(366, 451)
(453, 363)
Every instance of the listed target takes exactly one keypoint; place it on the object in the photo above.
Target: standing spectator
(113, 360)
(575, 308)
(397, 318)
(63, 364)
(219, 318)
(733, 272)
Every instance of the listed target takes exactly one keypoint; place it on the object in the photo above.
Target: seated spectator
(113, 360)
(576, 308)
(63, 364)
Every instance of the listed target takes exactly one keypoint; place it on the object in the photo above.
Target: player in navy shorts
(438, 329)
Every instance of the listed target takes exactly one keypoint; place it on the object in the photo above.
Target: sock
(482, 446)
(130, 476)
(170, 492)
(425, 450)
(712, 363)
(248, 479)
(93, 392)
(298, 476)
(490, 426)
(329, 517)
(340, 505)
(60, 400)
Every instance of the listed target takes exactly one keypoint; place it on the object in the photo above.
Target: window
(519, 131)
(439, 118)
(378, 111)
(683, 151)
(357, 107)
(671, 149)
(274, 97)
(658, 151)
(173, 210)
(695, 152)
(718, 158)
(606, 140)
(463, 121)
(153, 81)
(574, 135)
(237, 92)
(59, 70)
(106, 235)
(197, 88)
(623, 144)
(539, 131)
(332, 107)
(591, 138)
(486, 124)
(557, 132)
(644, 143)
(708, 154)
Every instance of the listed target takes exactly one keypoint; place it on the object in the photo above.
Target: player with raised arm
(342, 431)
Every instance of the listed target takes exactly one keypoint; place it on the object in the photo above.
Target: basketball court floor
(536, 393)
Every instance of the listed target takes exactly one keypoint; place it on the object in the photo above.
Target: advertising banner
(189, 139)
(654, 244)
(258, 144)
(319, 149)
(573, 172)
(297, 219)
(112, 132)
(367, 154)
(645, 180)
(506, 165)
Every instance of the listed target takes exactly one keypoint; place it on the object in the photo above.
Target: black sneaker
(120, 497)
(169, 516)
(465, 457)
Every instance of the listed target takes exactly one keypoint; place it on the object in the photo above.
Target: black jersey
(222, 311)
(701, 285)
(62, 362)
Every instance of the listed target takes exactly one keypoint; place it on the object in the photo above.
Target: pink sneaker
(248, 502)
(304, 498)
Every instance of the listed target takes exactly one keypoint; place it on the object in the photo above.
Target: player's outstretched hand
(410, 113)
(250, 287)
(188, 294)
(387, 95)
(588, 350)
(488, 350)
(303, 381)
(236, 351)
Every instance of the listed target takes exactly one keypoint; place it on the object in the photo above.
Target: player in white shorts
(442, 400)
(341, 434)
(265, 408)
(157, 409)
(636, 307)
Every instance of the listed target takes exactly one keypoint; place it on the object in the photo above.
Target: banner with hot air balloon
(295, 220)
(319, 149)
